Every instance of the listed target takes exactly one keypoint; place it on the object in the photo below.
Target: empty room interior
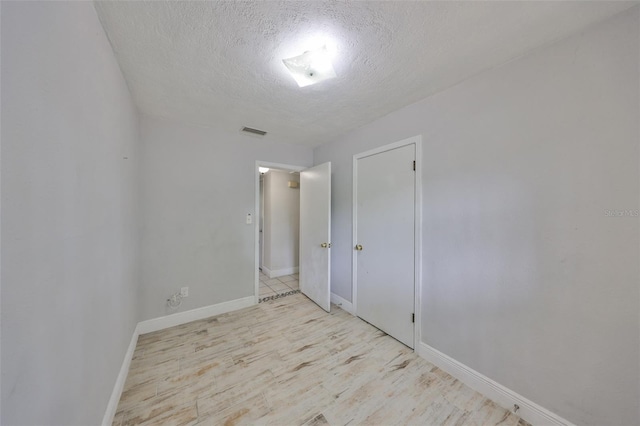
(320, 213)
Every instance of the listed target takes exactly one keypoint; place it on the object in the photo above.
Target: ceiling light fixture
(311, 67)
(263, 169)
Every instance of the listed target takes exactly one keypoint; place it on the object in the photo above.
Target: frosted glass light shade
(311, 67)
(263, 169)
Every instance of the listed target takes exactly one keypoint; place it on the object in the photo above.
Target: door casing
(417, 141)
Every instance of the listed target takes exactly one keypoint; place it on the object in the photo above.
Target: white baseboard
(161, 323)
(343, 303)
(279, 272)
(112, 406)
(501, 395)
(180, 318)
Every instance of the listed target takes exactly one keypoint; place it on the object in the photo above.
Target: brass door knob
(325, 245)
(359, 247)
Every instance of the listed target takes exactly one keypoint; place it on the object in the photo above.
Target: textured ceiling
(219, 64)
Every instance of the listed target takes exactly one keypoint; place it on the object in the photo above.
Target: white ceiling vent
(254, 131)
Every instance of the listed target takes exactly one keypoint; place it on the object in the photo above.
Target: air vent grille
(254, 131)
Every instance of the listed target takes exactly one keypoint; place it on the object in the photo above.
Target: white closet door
(385, 203)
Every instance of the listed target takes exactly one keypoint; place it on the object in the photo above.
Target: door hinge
(413, 317)
(414, 165)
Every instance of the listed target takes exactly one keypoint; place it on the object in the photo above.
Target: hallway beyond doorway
(273, 288)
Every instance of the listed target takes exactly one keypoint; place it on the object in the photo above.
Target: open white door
(315, 234)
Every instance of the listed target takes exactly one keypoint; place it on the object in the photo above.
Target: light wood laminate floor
(287, 362)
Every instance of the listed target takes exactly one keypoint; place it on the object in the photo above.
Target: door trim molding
(256, 217)
(417, 141)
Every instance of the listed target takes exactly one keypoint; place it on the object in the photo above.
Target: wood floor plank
(287, 362)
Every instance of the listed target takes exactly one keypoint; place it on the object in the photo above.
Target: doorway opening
(314, 234)
(278, 227)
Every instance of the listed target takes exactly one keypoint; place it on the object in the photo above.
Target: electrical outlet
(184, 292)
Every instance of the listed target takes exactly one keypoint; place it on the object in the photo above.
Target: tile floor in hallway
(270, 287)
(288, 362)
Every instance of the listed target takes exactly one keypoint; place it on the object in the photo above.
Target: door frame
(256, 221)
(417, 141)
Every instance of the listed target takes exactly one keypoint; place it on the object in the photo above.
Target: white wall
(526, 279)
(197, 186)
(282, 221)
(69, 152)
